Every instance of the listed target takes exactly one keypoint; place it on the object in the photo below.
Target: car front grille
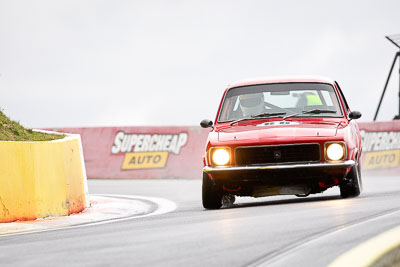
(259, 155)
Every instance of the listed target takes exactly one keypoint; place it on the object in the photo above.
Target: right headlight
(220, 156)
(335, 151)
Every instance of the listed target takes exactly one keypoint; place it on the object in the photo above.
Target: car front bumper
(335, 165)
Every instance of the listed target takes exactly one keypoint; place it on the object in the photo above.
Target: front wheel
(353, 185)
(211, 193)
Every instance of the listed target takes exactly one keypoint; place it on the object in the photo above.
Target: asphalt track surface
(272, 231)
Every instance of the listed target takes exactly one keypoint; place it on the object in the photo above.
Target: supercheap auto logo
(382, 149)
(147, 151)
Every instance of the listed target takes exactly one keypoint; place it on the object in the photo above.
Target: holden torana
(281, 136)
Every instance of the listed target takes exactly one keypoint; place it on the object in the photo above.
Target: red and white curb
(103, 209)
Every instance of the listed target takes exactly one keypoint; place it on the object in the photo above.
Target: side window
(346, 106)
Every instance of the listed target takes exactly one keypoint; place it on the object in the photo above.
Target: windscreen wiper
(311, 111)
(244, 119)
(258, 116)
(267, 114)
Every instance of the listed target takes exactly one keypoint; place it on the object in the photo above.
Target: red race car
(281, 136)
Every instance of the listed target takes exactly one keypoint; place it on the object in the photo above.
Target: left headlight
(220, 156)
(335, 151)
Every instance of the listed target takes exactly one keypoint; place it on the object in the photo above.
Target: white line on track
(163, 206)
(367, 253)
(273, 257)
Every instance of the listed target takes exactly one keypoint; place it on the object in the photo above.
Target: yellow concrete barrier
(41, 179)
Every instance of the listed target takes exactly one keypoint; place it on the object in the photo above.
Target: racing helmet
(252, 104)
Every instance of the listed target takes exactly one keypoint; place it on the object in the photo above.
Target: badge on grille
(277, 155)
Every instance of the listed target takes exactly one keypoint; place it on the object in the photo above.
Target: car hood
(278, 129)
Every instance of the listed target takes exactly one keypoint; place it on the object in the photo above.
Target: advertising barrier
(381, 147)
(176, 151)
(142, 152)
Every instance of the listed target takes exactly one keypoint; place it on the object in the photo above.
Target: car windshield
(282, 99)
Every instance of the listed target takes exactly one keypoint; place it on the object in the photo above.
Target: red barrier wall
(381, 147)
(176, 152)
(142, 152)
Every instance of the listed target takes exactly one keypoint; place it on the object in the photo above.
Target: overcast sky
(128, 63)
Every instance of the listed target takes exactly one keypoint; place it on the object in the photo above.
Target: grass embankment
(13, 131)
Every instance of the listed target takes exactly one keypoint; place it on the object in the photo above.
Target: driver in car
(252, 104)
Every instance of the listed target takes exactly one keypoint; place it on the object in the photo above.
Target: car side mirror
(355, 115)
(206, 123)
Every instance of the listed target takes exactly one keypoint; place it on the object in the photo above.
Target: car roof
(282, 79)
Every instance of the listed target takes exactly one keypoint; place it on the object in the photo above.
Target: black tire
(352, 187)
(212, 194)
